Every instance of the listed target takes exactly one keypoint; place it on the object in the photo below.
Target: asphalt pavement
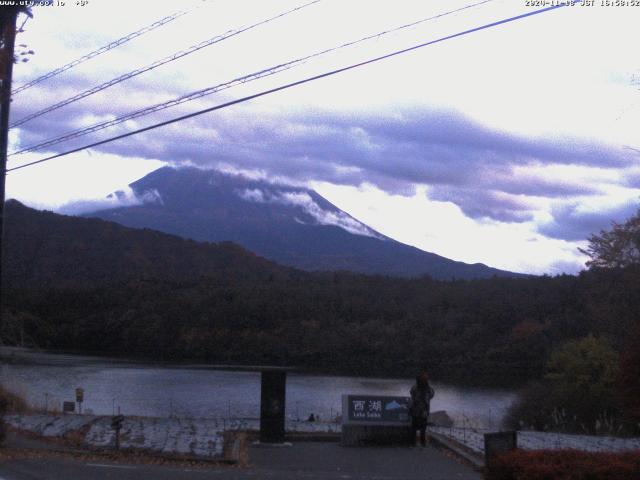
(302, 460)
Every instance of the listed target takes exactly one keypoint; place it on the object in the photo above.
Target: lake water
(199, 391)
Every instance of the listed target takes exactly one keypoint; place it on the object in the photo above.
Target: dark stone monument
(497, 443)
(272, 403)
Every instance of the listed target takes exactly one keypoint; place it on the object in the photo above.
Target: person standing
(419, 407)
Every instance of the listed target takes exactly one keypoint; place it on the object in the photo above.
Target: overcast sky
(508, 146)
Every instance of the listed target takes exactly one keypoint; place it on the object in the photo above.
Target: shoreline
(14, 355)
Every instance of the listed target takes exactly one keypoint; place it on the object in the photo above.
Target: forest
(485, 332)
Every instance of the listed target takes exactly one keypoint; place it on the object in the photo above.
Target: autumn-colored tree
(582, 375)
(616, 248)
(577, 394)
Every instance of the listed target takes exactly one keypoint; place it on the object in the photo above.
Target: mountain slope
(291, 226)
(44, 249)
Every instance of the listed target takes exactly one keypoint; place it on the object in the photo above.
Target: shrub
(583, 375)
(533, 409)
(629, 382)
(577, 394)
(564, 464)
(12, 402)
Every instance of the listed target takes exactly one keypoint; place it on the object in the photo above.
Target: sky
(507, 146)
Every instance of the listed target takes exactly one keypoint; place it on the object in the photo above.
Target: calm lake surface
(47, 379)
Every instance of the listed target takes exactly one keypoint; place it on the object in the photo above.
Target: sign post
(68, 407)
(79, 398)
(116, 424)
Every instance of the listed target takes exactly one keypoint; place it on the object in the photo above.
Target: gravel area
(200, 437)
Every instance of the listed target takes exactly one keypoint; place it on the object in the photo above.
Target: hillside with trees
(44, 249)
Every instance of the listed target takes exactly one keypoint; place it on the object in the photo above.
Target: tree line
(487, 332)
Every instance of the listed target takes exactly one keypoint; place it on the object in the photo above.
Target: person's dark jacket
(420, 401)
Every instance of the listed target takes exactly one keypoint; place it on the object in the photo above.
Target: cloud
(489, 174)
(252, 195)
(491, 204)
(565, 267)
(304, 201)
(574, 222)
(631, 176)
(122, 198)
(325, 217)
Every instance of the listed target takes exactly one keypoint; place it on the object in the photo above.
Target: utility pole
(8, 18)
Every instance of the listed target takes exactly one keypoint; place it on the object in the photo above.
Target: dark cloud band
(460, 160)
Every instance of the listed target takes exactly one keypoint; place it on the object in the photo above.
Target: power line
(294, 84)
(160, 106)
(156, 64)
(106, 48)
(224, 86)
(24, 22)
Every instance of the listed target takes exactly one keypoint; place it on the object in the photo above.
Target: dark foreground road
(303, 460)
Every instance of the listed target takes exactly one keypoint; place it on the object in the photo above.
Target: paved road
(331, 461)
(303, 460)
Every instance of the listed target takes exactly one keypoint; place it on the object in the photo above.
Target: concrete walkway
(319, 460)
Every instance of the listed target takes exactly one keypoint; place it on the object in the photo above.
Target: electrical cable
(105, 48)
(226, 85)
(156, 64)
(294, 84)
